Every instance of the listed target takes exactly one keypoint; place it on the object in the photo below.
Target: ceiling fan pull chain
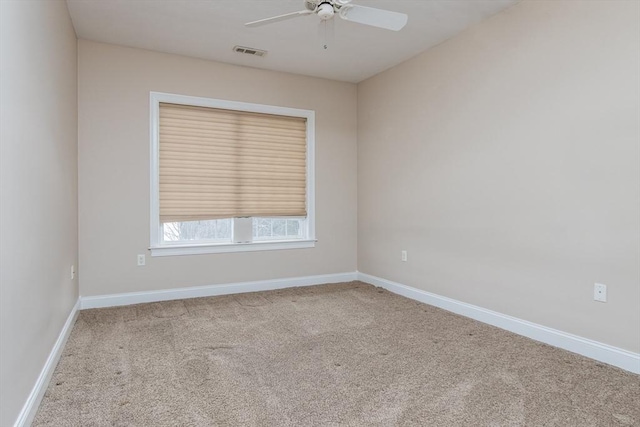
(326, 32)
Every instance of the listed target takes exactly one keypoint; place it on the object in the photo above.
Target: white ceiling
(210, 28)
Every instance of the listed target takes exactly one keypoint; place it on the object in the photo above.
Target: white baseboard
(129, 298)
(30, 407)
(593, 349)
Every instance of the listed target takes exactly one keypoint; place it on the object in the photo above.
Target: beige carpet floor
(348, 354)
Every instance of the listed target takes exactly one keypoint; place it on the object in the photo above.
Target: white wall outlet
(403, 255)
(600, 292)
(73, 272)
(141, 260)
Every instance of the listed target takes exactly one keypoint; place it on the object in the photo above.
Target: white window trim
(157, 246)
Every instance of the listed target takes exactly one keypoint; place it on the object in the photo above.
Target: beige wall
(38, 190)
(114, 86)
(505, 161)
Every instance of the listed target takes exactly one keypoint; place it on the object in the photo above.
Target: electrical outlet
(73, 272)
(404, 256)
(600, 292)
(141, 260)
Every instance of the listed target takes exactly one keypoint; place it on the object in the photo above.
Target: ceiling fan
(327, 9)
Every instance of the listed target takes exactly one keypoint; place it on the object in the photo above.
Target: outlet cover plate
(600, 292)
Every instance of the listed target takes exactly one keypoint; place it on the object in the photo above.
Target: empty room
(319, 213)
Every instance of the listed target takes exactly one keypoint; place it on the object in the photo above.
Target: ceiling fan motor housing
(325, 11)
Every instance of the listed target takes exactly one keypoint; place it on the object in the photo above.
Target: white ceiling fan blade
(278, 18)
(375, 17)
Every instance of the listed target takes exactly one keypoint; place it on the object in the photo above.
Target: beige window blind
(217, 163)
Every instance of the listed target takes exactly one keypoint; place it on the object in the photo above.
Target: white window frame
(160, 248)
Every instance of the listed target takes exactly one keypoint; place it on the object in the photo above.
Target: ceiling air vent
(249, 50)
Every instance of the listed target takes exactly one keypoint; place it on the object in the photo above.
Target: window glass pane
(263, 227)
(293, 227)
(213, 230)
(276, 228)
(223, 228)
(279, 227)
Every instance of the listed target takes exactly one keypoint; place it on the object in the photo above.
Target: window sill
(215, 248)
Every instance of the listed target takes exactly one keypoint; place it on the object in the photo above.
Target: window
(229, 176)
